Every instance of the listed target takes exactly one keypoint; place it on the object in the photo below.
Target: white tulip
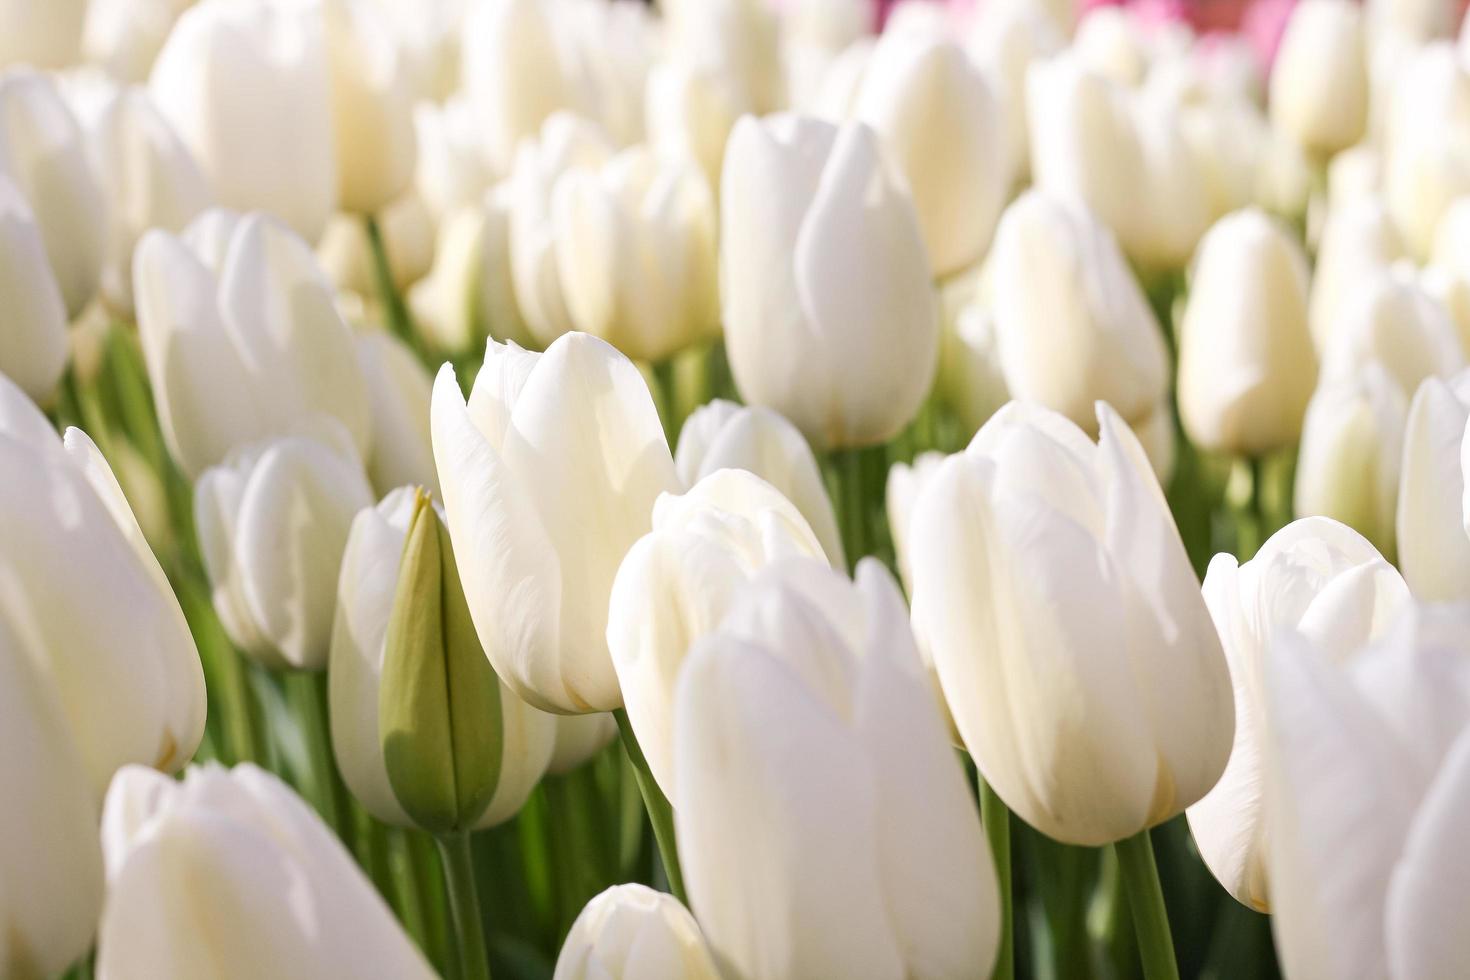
(88, 601)
(1088, 336)
(49, 857)
(635, 253)
(1389, 318)
(830, 317)
(149, 177)
(254, 884)
(43, 152)
(578, 739)
(971, 380)
(549, 474)
(1359, 241)
(1352, 444)
(123, 37)
(690, 114)
(372, 107)
(1111, 41)
(631, 932)
(1426, 148)
(1413, 21)
(403, 451)
(1324, 580)
(733, 39)
(519, 67)
(906, 483)
(33, 345)
(407, 229)
(452, 171)
(677, 583)
(1319, 83)
(1367, 884)
(1052, 589)
(365, 592)
(43, 33)
(1005, 38)
(944, 129)
(566, 143)
(1433, 529)
(428, 39)
(1246, 363)
(1354, 174)
(242, 338)
(824, 824)
(248, 87)
(723, 435)
(273, 522)
(616, 44)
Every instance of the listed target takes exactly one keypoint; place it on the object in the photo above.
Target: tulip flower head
(1433, 522)
(631, 932)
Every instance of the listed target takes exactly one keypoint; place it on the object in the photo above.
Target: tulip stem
(1146, 901)
(997, 820)
(399, 320)
(464, 905)
(660, 813)
(308, 693)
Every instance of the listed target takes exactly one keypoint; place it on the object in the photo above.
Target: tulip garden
(745, 489)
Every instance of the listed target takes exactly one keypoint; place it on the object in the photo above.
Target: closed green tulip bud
(439, 704)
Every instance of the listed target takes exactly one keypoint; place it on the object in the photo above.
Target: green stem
(997, 820)
(308, 694)
(668, 398)
(464, 905)
(399, 321)
(1146, 901)
(660, 813)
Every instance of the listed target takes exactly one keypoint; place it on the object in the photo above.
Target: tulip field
(734, 489)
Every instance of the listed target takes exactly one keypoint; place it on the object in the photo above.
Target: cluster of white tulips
(746, 489)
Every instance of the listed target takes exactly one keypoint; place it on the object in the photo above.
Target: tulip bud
(635, 254)
(49, 856)
(1358, 242)
(42, 151)
(273, 522)
(578, 739)
(690, 114)
(403, 452)
(830, 316)
(1354, 174)
(371, 106)
(1390, 319)
(1352, 441)
(549, 473)
(1314, 576)
(439, 703)
(1358, 878)
(1005, 38)
(1246, 364)
(1319, 85)
(1111, 42)
(677, 583)
(943, 127)
(242, 339)
(632, 931)
(1090, 335)
(1426, 154)
(248, 88)
(33, 345)
(43, 33)
(89, 602)
(451, 170)
(256, 844)
(722, 435)
(1433, 529)
(736, 40)
(1043, 563)
(971, 381)
(890, 846)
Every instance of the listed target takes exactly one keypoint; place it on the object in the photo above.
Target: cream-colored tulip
(1317, 577)
(906, 483)
(679, 580)
(148, 175)
(1005, 38)
(365, 591)
(830, 316)
(1352, 444)
(451, 171)
(1359, 241)
(723, 435)
(1319, 83)
(43, 152)
(690, 113)
(566, 143)
(403, 452)
(273, 522)
(88, 602)
(550, 474)
(944, 128)
(1425, 144)
(248, 88)
(242, 338)
(635, 250)
(824, 825)
(1433, 529)
(631, 932)
(616, 45)
(43, 33)
(1111, 41)
(1388, 317)
(123, 37)
(1367, 884)
(33, 345)
(1246, 364)
(372, 107)
(736, 40)
(1089, 335)
(254, 885)
(578, 739)
(49, 857)
(1075, 652)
